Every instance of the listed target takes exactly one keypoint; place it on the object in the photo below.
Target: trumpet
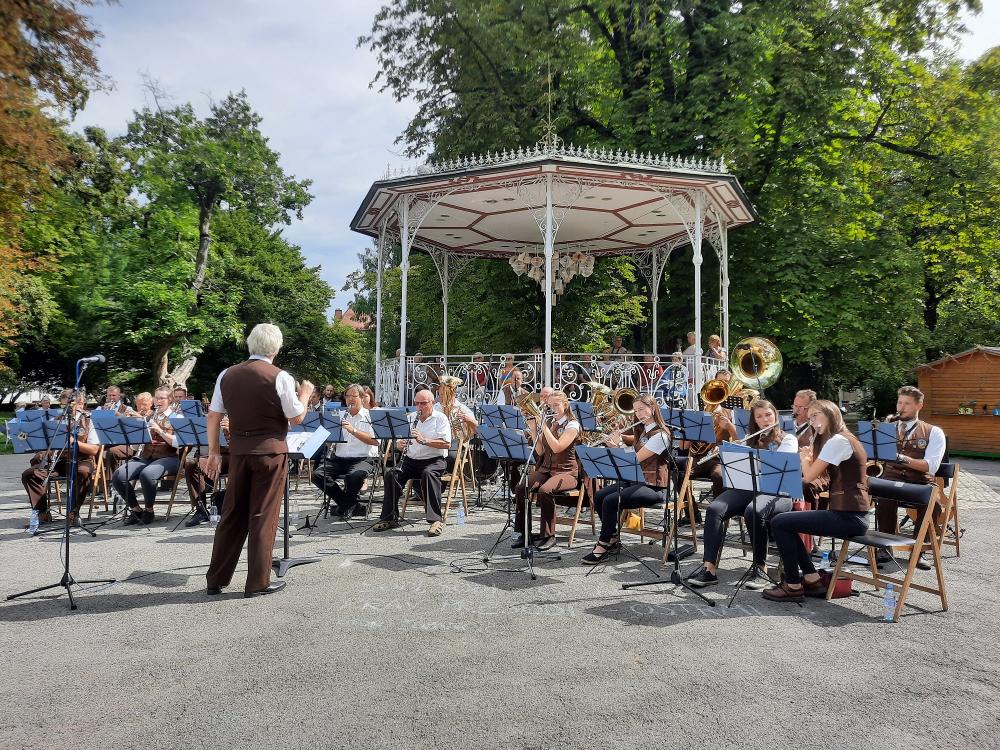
(600, 437)
(715, 451)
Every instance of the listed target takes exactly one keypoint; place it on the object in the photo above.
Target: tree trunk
(204, 240)
(161, 361)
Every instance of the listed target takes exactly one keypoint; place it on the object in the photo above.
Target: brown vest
(257, 423)
(913, 445)
(848, 481)
(158, 448)
(654, 469)
(558, 463)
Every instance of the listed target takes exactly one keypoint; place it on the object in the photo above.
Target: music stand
(67, 581)
(694, 426)
(879, 440)
(387, 425)
(584, 413)
(192, 432)
(333, 424)
(741, 420)
(760, 472)
(506, 446)
(190, 407)
(300, 445)
(614, 465)
(132, 432)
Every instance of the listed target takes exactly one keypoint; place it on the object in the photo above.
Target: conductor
(261, 402)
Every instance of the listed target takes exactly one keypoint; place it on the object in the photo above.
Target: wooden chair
(455, 479)
(951, 523)
(100, 482)
(927, 535)
(685, 500)
(573, 500)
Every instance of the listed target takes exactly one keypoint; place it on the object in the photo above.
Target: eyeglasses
(423, 403)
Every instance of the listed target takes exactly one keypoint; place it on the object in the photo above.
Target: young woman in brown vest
(555, 469)
(651, 439)
(840, 454)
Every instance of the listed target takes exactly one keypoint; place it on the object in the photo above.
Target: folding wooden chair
(455, 479)
(100, 482)
(685, 500)
(584, 492)
(926, 536)
(951, 523)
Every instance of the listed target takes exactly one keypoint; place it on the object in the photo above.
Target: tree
(183, 163)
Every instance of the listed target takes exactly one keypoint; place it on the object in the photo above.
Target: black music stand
(300, 445)
(67, 581)
(741, 421)
(505, 417)
(584, 413)
(191, 407)
(769, 473)
(506, 446)
(388, 425)
(691, 425)
(132, 432)
(333, 424)
(57, 429)
(36, 436)
(879, 440)
(615, 465)
(192, 432)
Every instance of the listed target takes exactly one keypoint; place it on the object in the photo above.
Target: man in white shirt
(692, 350)
(424, 460)
(352, 460)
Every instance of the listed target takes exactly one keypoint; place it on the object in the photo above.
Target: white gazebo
(549, 211)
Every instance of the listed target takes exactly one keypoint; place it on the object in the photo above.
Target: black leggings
(633, 496)
(833, 523)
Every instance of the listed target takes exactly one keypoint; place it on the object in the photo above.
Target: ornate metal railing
(669, 377)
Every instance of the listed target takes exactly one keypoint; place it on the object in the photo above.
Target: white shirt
(436, 427)
(656, 443)
(691, 351)
(353, 447)
(465, 410)
(934, 452)
(836, 450)
(284, 384)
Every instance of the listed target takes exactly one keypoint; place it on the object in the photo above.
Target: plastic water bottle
(889, 603)
(213, 515)
(293, 513)
(824, 563)
(33, 522)
(460, 515)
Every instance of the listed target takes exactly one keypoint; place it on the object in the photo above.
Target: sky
(304, 74)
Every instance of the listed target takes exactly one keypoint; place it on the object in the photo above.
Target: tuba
(756, 362)
(530, 405)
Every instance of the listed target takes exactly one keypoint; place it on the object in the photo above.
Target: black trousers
(632, 496)
(353, 470)
(427, 473)
(833, 523)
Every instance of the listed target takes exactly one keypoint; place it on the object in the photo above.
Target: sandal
(436, 528)
(385, 525)
(596, 557)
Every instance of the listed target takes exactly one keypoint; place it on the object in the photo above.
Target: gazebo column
(404, 242)
(724, 290)
(654, 292)
(549, 237)
(379, 245)
(445, 286)
(699, 201)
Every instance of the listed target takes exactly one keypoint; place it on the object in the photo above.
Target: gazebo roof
(605, 203)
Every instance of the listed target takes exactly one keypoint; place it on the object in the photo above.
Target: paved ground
(400, 641)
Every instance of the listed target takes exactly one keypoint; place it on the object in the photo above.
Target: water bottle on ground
(293, 513)
(460, 515)
(213, 515)
(889, 603)
(33, 522)
(824, 563)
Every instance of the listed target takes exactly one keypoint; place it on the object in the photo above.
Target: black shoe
(198, 518)
(148, 517)
(518, 542)
(702, 578)
(213, 590)
(134, 517)
(273, 588)
(883, 557)
(596, 557)
(921, 565)
(360, 510)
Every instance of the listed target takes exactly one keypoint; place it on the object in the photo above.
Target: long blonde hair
(834, 420)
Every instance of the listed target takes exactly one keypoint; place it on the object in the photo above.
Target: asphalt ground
(397, 640)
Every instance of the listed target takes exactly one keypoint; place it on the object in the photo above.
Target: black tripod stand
(286, 561)
(67, 581)
(507, 447)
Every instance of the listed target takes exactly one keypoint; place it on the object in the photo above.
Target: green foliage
(868, 150)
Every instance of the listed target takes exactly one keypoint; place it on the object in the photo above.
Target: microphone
(97, 359)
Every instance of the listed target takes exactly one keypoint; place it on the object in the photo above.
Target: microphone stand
(67, 581)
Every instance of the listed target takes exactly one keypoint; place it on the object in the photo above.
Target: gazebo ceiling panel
(496, 211)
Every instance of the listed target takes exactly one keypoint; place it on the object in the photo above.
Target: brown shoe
(816, 589)
(45, 517)
(781, 593)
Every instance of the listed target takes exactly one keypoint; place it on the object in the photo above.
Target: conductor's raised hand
(306, 390)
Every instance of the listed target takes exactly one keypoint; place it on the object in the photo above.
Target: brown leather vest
(913, 445)
(848, 481)
(158, 448)
(654, 469)
(257, 422)
(558, 463)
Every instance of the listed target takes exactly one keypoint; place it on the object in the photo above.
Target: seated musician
(650, 438)
(315, 402)
(144, 404)
(113, 400)
(509, 383)
(724, 428)
(368, 399)
(34, 478)
(756, 512)
(178, 394)
(199, 488)
(921, 448)
(463, 421)
(329, 396)
(352, 460)
(153, 461)
(424, 459)
(806, 436)
(841, 455)
(555, 469)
